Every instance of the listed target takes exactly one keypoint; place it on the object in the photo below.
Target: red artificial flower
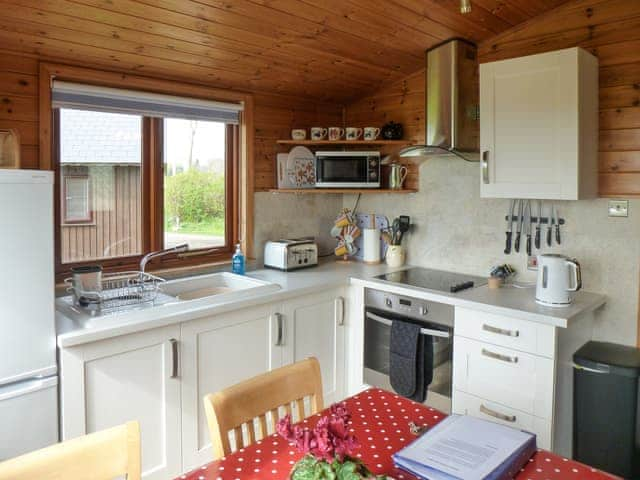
(329, 439)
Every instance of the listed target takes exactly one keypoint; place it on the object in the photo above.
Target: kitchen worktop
(515, 302)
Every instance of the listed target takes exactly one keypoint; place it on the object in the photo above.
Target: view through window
(194, 183)
(100, 185)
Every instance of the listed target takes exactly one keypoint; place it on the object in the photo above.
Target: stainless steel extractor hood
(452, 110)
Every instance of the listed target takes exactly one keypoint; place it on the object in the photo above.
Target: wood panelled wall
(402, 102)
(611, 30)
(275, 114)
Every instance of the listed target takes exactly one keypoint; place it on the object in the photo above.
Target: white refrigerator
(28, 369)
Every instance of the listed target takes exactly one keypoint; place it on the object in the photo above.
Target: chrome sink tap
(160, 253)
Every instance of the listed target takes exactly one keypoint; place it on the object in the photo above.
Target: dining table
(380, 422)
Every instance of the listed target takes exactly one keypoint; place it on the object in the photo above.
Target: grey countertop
(515, 302)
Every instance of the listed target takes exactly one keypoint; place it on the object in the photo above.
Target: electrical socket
(532, 263)
(618, 208)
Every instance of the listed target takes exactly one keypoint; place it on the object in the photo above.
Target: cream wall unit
(132, 377)
(517, 373)
(315, 326)
(217, 352)
(539, 126)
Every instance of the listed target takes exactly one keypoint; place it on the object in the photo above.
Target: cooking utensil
(509, 232)
(528, 227)
(395, 230)
(538, 225)
(557, 217)
(516, 245)
(550, 225)
(405, 223)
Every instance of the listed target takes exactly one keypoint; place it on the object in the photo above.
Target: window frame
(88, 220)
(238, 177)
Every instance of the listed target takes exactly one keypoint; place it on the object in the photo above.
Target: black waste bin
(605, 408)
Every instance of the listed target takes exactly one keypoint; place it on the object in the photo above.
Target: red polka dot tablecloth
(380, 421)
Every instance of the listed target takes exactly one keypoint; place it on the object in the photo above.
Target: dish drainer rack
(118, 290)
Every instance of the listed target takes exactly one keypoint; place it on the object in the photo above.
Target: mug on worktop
(318, 133)
(298, 134)
(336, 133)
(371, 133)
(353, 133)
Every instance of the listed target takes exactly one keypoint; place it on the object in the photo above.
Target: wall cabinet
(127, 378)
(539, 126)
(160, 376)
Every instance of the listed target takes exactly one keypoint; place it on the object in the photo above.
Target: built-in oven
(346, 169)
(435, 320)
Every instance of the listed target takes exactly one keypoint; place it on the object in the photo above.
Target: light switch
(618, 208)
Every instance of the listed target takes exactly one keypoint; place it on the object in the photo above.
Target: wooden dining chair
(258, 402)
(102, 455)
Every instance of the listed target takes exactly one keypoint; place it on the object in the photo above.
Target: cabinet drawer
(516, 379)
(466, 404)
(508, 332)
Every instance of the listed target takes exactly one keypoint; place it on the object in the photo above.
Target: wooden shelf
(321, 191)
(343, 142)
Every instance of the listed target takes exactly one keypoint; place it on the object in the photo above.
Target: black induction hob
(433, 279)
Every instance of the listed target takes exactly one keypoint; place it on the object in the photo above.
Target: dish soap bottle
(237, 261)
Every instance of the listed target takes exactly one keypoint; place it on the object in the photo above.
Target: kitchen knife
(557, 217)
(550, 225)
(516, 245)
(538, 225)
(509, 232)
(528, 227)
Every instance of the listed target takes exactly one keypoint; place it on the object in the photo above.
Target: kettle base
(554, 305)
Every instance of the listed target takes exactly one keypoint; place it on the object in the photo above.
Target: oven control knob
(388, 302)
(423, 310)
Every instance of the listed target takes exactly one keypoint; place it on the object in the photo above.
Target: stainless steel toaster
(291, 254)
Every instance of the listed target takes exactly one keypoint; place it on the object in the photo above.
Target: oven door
(344, 170)
(377, 341)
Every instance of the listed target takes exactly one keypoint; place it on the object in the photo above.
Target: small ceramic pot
(395, 256)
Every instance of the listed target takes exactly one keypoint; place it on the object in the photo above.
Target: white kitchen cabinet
(518, 373)
(539, 126)
(217, 352)
(131, 377)
(315, 326)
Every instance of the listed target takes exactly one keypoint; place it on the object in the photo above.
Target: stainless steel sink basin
(223, 286)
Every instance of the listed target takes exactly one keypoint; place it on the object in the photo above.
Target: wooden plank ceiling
(330, 50)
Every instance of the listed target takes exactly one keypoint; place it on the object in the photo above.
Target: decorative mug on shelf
(336, 133)
(395, 256)
(353, 133)
(318, 133)
(371, 133)
(298, 134)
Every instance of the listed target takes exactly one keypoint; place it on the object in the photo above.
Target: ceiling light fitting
(465, 6)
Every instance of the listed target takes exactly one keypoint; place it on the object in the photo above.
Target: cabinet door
(131, 377)
(217, 352)
(530, 126)
(315, 328)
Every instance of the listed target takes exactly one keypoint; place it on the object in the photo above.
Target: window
(131, 183)
(76, 199)
(194, 183)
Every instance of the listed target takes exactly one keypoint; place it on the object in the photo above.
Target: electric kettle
(558, 276)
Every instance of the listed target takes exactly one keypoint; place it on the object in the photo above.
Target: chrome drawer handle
(499, 356)
(498, 415)
(280, 327)
(500, 331)
(174, 358)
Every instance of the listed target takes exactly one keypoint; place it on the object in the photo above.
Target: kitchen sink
(223, 286)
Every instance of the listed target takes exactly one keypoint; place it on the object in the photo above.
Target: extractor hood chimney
(452, 110)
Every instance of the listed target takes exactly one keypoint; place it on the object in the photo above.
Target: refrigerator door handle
(29, 387)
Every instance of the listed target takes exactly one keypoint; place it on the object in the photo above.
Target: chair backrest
(257, 402)
(102, 455)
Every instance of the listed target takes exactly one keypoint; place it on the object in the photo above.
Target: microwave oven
(348, 169)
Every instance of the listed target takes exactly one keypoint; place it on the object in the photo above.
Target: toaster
(291, 254)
